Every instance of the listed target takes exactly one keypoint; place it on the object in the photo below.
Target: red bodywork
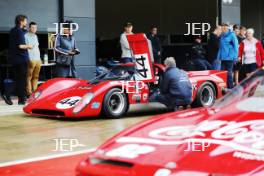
(56, 90)
(216, 159)
(226, 139)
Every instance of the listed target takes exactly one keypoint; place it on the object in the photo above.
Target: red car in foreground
(112, 92)
(226, 139)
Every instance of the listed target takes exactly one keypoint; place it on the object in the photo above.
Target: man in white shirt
(126, 51)
(34, 58)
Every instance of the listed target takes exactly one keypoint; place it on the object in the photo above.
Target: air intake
(48, 112)
(111, 162)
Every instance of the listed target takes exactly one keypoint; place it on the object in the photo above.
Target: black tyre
(206, 95)
(159, 78)
(115, 103)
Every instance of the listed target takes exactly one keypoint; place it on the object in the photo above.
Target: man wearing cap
(198, 55)
(176, 88)
(126, 51)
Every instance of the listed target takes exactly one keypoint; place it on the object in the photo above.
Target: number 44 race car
(112, 92)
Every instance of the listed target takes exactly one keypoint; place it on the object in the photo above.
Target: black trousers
(157, 59)
(169, 100)
(228, 66)
(20, 81)
(2, 81)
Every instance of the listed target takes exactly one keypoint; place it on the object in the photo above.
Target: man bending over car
(176, 88)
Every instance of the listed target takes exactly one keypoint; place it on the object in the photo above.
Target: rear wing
(141, 49)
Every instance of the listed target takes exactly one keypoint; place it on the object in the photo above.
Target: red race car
(226, 139)
(112, 92)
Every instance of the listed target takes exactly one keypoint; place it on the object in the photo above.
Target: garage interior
(170, 20)
(166, 15)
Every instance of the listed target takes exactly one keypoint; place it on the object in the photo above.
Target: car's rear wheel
(115, 103)
(158, 73)
(206, 95)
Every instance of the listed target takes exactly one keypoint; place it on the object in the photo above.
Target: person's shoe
(7, 99)
(173, 109)
(21, 102)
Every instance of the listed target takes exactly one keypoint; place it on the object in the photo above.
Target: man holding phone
(65, 48)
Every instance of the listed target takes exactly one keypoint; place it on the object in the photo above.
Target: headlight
(33, 97)
(83, 103)
(36, 94)
(162, 172)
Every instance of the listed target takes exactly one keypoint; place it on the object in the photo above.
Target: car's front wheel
(206, 95)
(115, 103)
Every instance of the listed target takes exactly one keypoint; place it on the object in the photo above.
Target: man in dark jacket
(199, 55)
(241, 35)
(213, 48)
(19, 58)
(65, 48)
(176, 88)
(155, 42)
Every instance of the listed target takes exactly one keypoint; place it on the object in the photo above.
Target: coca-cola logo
(246, 136)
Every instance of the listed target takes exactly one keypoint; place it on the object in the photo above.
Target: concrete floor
(24, 137)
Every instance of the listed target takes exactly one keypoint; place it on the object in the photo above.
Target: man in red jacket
(251, 53)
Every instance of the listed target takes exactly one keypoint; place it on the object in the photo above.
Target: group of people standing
(24, 56)
(234, 50)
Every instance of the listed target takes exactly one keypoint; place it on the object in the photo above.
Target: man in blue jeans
(228, 52)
